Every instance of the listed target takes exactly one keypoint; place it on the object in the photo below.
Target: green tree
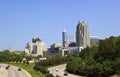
(98, 61)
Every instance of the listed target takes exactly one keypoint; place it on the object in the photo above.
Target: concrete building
(59, 49)
(82, 35)
(94, 40)
(37, 47)
(55, 45)
(54, 49)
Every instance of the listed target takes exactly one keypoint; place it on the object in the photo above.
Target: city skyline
(24, 19)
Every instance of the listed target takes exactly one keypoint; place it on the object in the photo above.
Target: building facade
(82, 35)
(94, 40)
(54, 49)
(37, 47)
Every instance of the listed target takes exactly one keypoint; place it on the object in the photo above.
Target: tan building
(55, 45)
(37, 47)
(82, 35)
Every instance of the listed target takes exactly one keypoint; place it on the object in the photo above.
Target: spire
(64, 30)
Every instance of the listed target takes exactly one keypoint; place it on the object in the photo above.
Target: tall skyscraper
(64, 37)
(82, 35)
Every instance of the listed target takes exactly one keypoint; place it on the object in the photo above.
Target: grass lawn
(29, 69)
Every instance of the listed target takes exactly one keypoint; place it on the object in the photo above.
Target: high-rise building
(64, 37)
(82, 35)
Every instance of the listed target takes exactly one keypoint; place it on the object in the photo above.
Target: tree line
(6, 56)
(97, 61)
(52, 61)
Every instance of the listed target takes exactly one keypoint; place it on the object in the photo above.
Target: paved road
(12, 72)
(60, 71)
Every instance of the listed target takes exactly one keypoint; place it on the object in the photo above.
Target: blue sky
(21, 20)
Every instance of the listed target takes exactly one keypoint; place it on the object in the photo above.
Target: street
(12, 71)
(59, 70)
